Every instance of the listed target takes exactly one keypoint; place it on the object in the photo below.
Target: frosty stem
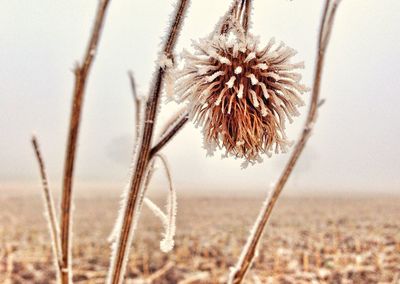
(169, 135)
(81, 73)
(120, 254)
(246, 15)
(50, 209)
(249, 251)
(138, 103)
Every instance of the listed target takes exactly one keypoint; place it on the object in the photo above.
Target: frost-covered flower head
(239, 93)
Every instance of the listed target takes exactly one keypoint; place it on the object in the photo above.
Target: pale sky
(355, 141)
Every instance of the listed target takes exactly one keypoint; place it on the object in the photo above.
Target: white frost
(253, 79)
(231, 82)
(238, 70)
(165, 62)
(240, 92)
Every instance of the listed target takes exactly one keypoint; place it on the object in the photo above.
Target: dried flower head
(241, 95)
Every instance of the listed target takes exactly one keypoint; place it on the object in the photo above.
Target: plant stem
(50, 208)
(138, 104)
(246, 16)
(169, 135)
(81, 74)
(249, 251)
(120, 254)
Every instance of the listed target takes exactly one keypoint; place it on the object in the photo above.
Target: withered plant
(250, 249)
(241, 93)
(50, 208)
(81, 73)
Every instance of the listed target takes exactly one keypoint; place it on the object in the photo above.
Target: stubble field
(309, 240)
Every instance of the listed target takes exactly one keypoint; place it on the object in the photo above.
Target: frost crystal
(165, 62)
(239, 94)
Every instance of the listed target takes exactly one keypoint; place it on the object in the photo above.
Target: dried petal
(244, 95)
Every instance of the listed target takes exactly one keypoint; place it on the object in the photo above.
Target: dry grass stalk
(172, 127)
(167, 219)
(196, 278)
(9, 265)
(156, 210)
(249, 251)
(131, 204)
(50, 208)
(138, 103)
(81, 74)
(159, 273)
(246, 15)
(172, 121)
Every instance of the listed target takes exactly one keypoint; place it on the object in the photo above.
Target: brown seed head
(241, 95)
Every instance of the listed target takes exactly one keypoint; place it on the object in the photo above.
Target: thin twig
(233, 12)
(250, 249)
(123, 242)
(324, 21)
(163, 217)
(81, 74)
(50, 208)
(172, 120)
(152, 206)
(246, 16)
(156, 275)
(167, 243)
(133, 87)
(330, 20)
(196, 278)
(165, 138)
(9, 265)
(242, 3)
(138, 103)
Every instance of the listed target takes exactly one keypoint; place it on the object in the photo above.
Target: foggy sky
(354, 145)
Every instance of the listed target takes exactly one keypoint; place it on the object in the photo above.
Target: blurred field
(319, 240)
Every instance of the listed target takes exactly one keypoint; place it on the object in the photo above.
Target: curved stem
(249, 251)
